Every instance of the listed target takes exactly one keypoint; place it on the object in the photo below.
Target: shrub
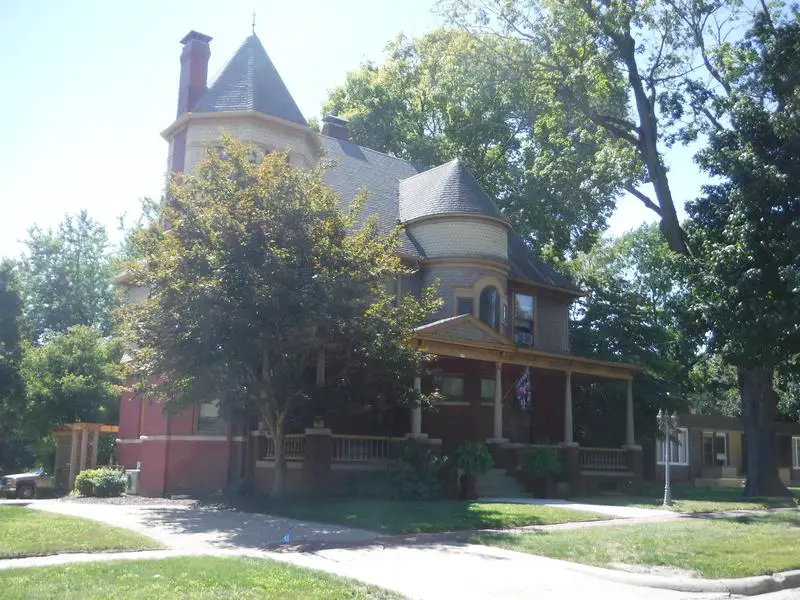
(538, 463)
(102, 482)
(473, 459)
(417, 472)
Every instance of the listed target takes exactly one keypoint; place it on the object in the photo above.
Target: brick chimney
(192, 85)
(335, 127)
(194, 70)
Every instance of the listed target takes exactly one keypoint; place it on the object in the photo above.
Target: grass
(388, 516)
(28, 532)
(691, 499)
(187, 578)
(711, 547)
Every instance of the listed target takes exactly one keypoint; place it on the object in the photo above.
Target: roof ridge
(431, 169)
(386, 154)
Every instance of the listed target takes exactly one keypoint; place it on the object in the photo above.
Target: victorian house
(504, 315)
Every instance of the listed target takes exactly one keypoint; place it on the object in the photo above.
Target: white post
(568, 436)
(416, 410)
(95, 444)
(73, 458)
(667, 486)
(630, 438)
(498, 401)
(84, 447)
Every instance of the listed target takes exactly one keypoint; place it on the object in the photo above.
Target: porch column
(73, 458)
(498, 403)
(630, 438)
(416, 410)
(84, 447)
(568, 436)
(95, 444)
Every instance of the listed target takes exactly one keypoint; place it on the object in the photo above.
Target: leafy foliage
(473, 459)
(257, 272)
(12, 390)
(102, 482)
(537, 463)
(447, 94)
(417, 472)
(73, 376)
(65, 277)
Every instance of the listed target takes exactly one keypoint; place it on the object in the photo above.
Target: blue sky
(88, 85)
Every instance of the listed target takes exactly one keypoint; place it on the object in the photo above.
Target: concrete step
(499, 484)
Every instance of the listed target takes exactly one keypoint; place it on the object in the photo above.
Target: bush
(473, 459)
(102, 482)
(538, 463)
(417, 472)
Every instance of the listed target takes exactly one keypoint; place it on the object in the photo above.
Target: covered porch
(473, 360)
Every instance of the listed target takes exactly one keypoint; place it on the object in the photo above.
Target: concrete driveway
(425, 571)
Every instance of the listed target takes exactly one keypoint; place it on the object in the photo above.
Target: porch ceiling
(467, 337)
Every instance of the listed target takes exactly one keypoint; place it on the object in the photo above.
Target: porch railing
(355, 448)
(294, 447)
(603, 459)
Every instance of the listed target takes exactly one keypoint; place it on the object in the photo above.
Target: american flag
(524, 389)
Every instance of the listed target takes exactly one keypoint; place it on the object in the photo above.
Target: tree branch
(645, 200)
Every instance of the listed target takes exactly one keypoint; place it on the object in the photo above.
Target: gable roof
(250, 82)
(463, 327)
(448, 188)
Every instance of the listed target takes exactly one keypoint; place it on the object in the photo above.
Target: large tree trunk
(759, 404)
(279, 472)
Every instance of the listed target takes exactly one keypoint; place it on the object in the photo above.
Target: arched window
(489, 308)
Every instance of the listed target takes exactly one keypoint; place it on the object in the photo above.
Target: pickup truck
(26, 485)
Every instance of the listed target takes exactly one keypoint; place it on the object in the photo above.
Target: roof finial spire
(254, 20)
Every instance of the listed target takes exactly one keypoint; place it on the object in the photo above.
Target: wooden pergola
(84, 439)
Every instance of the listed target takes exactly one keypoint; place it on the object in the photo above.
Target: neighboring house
(504, 309)
(711, 450)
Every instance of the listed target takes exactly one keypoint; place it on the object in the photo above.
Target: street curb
(744, 586)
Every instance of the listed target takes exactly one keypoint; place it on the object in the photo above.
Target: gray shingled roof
(448, 188)
(250, 82)
(526, 265)
(356, 168)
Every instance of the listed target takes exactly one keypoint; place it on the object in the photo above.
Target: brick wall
(461, 236)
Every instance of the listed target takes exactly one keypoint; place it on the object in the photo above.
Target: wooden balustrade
(355, 448)
(603, 459)
(294, 447)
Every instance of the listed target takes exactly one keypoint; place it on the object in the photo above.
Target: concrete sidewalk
(619, 512)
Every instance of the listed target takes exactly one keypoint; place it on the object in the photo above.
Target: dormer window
(489, 308)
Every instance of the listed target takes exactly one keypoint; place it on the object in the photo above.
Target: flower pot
(469, 487)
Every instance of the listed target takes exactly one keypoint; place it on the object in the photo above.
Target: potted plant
(540, 467)
(472, 460)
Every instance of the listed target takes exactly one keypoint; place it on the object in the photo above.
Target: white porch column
(630, 437)
(416, 410)
(73, 458)
(84, 448)
(95, 444)
(497, 433)
(568, 436)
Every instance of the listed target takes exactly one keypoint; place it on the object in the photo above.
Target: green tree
(256, 273)
(747, 229)
(73, 376)
(65, 277)
(582, 47)
(634, 310)
(448, 95)
(12, 389)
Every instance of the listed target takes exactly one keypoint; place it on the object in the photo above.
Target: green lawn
(28, 532)
(421, 517)
(712, 547)
(691, 499)
(187, 578)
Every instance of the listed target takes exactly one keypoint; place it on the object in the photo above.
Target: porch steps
(497, 483)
